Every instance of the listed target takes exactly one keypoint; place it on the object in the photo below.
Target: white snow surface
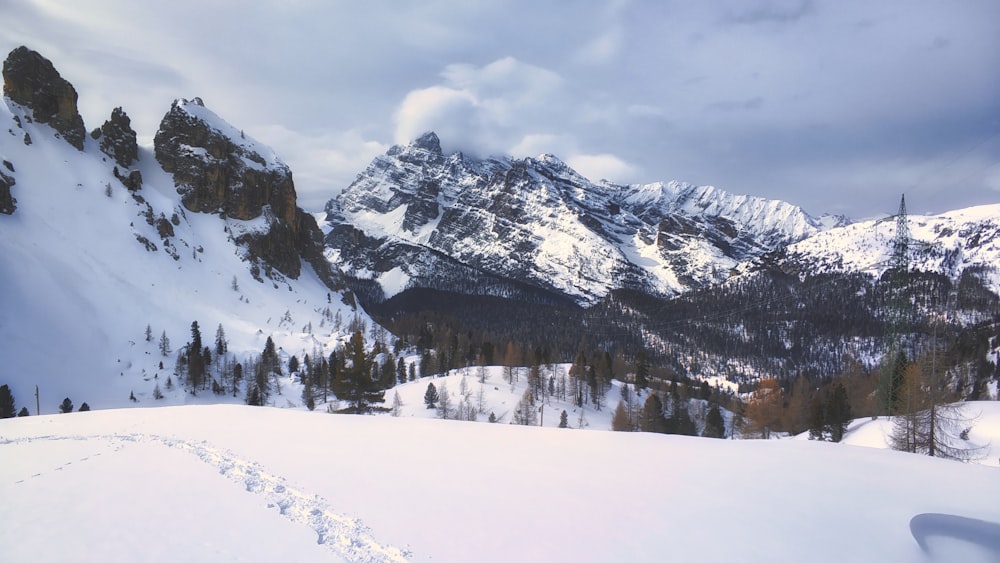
(237, 483)
(947, 243)
(78, 287)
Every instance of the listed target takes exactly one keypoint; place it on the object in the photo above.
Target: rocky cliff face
(218, 169)
(7, 202)
(536, 222)
(30, 80)
(118, 141)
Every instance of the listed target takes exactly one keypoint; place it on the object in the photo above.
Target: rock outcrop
(118, 141)
(7, 202)
(218, 169)
(30, 80)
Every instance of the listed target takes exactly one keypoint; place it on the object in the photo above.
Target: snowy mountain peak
(539, 223)
(949, 243)
(428, 141)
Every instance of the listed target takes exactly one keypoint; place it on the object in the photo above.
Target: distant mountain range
(101, 238)
(417, 217)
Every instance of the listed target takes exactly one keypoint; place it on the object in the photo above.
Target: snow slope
(232, 483)
(78, 284)
(948, 243)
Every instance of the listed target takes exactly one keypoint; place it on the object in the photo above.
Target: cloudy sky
(837, 106)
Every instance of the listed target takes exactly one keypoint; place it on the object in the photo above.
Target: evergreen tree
(293, 365)
(149, 333)
(221, 346)
(23, 412)
(7, 407)
(84, 407)
(652, 419)
(817, 419)
(195, 360)
(838, 412)
(431, 396)
(680, 420)
(355, 383)
(715, 425)
(401, 371)
(563, 419)
(259, 389)
(641, 370)
(66, 406)
(308, 398)
(164, 345)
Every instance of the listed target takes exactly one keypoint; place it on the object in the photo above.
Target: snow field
(156, 484)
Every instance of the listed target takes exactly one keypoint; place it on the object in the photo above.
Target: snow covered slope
(235, 483)
(949, 243)
(417, 217)
(87, 264)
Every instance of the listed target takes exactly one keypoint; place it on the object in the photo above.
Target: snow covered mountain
(106, 247)
(417, 217)
(952, 243)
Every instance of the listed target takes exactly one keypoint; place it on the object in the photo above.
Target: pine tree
(641, 370)
(680, 420)
(652, 419)
(195, 361)
(715, 425)
(838, 413)
(259, 388)
(308, 397)
(357, 383)
(66, 406)
(149, 333)
(84, 407)
(221, 345)
(431, 396)
(164, 345)
(817, 419)
(7, 406)
(563, 419)
(23, 412)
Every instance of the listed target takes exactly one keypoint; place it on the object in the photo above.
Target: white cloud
(597, 167)
(483, 110)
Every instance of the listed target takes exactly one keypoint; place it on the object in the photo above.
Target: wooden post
(37, 410)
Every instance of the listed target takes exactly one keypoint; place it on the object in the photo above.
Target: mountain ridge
(538, 221)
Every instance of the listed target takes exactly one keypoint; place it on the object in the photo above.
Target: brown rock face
(117, 138)
(30, 80)
(217, 170)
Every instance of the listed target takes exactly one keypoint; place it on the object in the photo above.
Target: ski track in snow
(346, 537)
